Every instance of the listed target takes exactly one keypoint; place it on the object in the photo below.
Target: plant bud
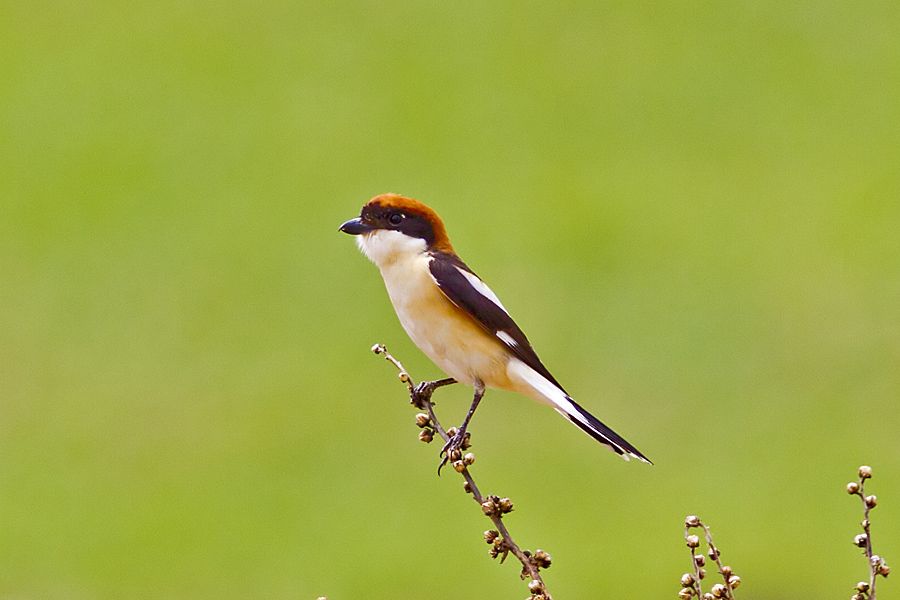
(469, 458)
(862, 586)
(459, 466)
(700, 560)
(692, 541)
(422, 420)
(714, 554)
(455, 455)
(692, 521)
(865, 472)
(686, 593)
(490, 535)
(542, 559)
(708, 596)
(875, 561)
(860, 540)
(535, 586)
(871, 501)
(719, 590)
(726, 571)
(734, 581)
(426, 436)
(884, 570)
(687, 580)
(506, 505)
(852, 488)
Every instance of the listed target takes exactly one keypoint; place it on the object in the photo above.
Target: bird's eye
(395, 219)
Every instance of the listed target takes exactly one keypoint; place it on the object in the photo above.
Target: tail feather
(540, 388)
(598, 430)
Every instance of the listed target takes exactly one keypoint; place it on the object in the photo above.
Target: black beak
(356, 227)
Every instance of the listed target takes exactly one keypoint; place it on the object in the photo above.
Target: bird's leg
(422, 392)
(458, 440)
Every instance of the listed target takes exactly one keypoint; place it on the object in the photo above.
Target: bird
(456, 320)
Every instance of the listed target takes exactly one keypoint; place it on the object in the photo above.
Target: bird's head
(391, 227)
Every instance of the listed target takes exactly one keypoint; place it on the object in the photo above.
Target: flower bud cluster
(498, 545)
(539, 560)
(423, 422)
(691, 583)
(494, 506)
(538, 592)
(461, 462)
(877, 565)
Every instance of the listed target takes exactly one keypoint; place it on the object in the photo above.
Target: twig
(690, 582)
(877, 566)
(493, 507)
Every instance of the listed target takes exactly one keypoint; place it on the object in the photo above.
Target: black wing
(449, 273)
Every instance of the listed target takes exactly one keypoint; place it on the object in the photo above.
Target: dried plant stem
(716, 555)
(866, 525)
(698, 571)
(492, 506)
(691, 582)
(877, 564)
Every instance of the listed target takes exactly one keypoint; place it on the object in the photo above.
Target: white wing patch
(482, 288)
(507, 339)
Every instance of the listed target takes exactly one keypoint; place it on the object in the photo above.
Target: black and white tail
(597, 430)
(540, 388)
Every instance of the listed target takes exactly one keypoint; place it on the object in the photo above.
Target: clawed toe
(452, 450)
(420, 395)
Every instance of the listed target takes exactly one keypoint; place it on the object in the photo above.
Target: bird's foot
(421, 394)
(459, 441)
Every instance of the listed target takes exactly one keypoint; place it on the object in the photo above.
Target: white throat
(385, 247)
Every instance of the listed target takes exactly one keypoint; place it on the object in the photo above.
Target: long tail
(538, 387)
(595, 428)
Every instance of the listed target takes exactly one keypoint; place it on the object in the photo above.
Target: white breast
(452, 340)
(384, 247)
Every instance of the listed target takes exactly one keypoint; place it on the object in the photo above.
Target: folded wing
(468, 292)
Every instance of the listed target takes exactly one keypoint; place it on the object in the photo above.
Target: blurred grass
(692, 210)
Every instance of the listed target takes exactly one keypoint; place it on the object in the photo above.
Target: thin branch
(493, 507)
(877, 565)
(691, 582)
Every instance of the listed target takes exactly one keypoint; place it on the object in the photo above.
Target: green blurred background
(692, 209)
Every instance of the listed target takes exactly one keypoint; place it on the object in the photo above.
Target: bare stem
(491, 506)
(877, 564)
(866, 525)
(696, 563)
(691, 583)
(716, 555)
